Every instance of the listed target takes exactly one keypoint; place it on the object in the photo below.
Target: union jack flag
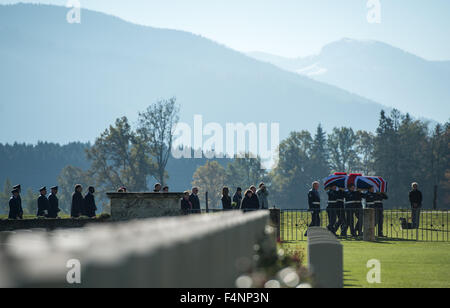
(344, 180)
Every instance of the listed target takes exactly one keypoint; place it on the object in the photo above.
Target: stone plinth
(126, 206)
(369, 225)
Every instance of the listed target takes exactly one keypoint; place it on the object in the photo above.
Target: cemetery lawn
(404, 264)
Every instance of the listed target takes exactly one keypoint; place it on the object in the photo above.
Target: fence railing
(394, 224)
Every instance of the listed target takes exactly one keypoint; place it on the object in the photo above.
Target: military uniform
(19, 188)
(341, 212)
(53, 208)
(353, 208)
(332, 210)
(14, 208)
(314, 207)
(43, 205)
(379, 214)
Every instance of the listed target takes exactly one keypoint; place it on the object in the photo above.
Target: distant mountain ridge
(380, 72)
(63, 82)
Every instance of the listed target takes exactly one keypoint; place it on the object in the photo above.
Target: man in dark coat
(195, 201)
(43, 205)
(19, 188)
(416, 199)
(77, 208)
(14, 205)
(53, 202)
(186, 205)
(89, 203)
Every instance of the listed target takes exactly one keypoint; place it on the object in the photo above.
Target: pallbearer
(341, 212)
(379, 208)
(53, 202)
(353, 208)
(19, 189)
(14, 205)
(43, 205)
(332, 208)
(89, 203)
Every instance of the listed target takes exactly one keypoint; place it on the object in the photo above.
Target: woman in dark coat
(247, 203)
(77, 208)
(255, 199)
(89, 203)
(226, 199)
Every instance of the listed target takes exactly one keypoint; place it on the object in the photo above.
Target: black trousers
(351, 213)
(342, 221)
(379, 218)
(332, 218)
(359, 216)
(315, 217)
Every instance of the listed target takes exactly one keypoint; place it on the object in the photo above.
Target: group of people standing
(252, 199)
(48, 207)
(345, 208)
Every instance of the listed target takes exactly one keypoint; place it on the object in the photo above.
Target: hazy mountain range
(380, 72)
(64, 82)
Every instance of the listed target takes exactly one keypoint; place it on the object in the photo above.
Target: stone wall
(197, 251)
(126, 206)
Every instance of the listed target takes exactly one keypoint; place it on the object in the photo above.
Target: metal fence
(392, 224)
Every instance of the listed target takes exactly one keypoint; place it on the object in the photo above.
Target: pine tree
(320, 154)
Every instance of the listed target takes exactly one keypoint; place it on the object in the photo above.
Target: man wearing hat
(53, 203)
(89, 203)
(19, 189)
(43, 205)
(14, 205)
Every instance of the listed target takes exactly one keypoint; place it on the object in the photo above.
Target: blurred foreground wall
(196, 251)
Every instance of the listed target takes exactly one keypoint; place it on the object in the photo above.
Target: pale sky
(291, 27)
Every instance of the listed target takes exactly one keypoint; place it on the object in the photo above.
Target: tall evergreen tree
(320, 154)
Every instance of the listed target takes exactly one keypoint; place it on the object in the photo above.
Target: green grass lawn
(404, 264)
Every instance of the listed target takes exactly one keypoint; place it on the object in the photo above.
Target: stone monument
(127, 206)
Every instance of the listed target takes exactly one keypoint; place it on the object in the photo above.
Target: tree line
(402, 150)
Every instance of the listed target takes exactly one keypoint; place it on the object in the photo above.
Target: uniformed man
(332, 208)
(43, 205)
(353, 207)
(379, 218)
(341, 223)
(89, 203)
(53, 203)
(14, 205)
(195, 201)
(19, 189)
(314, 204)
